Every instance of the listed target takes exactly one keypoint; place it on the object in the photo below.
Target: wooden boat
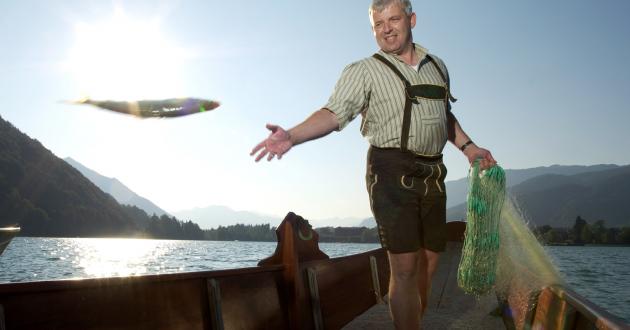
(298, 287)
(6, 235)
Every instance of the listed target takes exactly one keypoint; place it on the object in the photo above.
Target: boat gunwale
(311, 263)
(80, 283)
(601, 318)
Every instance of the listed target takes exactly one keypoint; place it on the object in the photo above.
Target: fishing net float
(155, 108)
(477, 268)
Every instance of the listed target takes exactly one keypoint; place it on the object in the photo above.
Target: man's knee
(428, 259)
(404, 266)
(405, 275)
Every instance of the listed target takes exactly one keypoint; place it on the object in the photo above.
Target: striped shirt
(370, 88)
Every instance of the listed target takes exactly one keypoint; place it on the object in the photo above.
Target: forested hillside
(45, 196)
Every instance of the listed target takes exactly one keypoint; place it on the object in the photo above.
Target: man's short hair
(379, 5)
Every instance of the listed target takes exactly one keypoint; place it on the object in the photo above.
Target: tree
(578, 227)
(611, 235)
(555, 235)
(370, 235)
(586, 236)
(599, 232)
(624, 236)
(191, 231)
(543, 233)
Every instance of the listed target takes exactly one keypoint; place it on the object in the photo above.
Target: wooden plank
(552, 312)
(444, 283)
(136, 305)
(2, 325)
(296, 236)
(457, 311)
(583, 323)
(214, 302)
(376, 283)
(254, 301)
(173, 301)
(455, 231)
(56, 285)
(345, 285)
(587, 313)
(297, 243)
(318, 322)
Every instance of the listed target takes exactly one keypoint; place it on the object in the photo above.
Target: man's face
(392, 28)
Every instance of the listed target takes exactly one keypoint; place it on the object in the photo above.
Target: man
(403, 95)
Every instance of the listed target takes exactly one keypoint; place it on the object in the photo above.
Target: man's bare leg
(427, 263)
(404, 302)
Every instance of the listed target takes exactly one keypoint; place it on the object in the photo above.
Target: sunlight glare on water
(102, 257)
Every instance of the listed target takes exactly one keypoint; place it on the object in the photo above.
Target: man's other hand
(485, 157)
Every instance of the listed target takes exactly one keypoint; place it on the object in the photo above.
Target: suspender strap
(444, 78)
(406, 124)
(392, 67)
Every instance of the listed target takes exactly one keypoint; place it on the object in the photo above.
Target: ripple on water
(599, 273)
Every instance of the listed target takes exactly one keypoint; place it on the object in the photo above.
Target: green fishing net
(477, 268)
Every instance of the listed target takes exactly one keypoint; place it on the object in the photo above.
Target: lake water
(599, 273)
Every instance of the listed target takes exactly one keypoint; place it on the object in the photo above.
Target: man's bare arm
(462, 141)
(280, 141)
(317, 125)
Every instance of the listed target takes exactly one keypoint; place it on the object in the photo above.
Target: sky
(538, 82)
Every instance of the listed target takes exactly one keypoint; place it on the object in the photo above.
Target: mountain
(117, 189)
(456, 190)
(556, 199)
(369, 223)
(48, 197)
(216, 215)
(336, 222)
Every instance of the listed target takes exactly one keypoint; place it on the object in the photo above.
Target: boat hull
(297, 288)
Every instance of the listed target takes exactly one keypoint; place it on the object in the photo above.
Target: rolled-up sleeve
(351, 94)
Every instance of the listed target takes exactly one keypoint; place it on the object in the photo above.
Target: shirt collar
(421, 51)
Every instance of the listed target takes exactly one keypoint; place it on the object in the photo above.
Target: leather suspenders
(411, 98)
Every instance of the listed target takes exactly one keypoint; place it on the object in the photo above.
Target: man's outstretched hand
(276, 145)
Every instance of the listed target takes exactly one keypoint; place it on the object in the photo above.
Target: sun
(125, 58)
